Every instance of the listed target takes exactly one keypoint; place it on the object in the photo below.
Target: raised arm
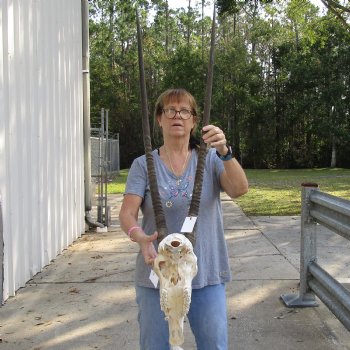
(233, 179)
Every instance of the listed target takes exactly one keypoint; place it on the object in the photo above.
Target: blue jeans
(207, 317)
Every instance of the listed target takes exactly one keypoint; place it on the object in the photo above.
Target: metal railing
(333, 213)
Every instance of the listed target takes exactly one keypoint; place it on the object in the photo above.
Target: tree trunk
(188, 23)
(111, 27)
(166, 26)
(332, 122)
(278, 151)
(334, 153)
(203, 30)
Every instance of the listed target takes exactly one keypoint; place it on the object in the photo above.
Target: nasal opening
(175, 244)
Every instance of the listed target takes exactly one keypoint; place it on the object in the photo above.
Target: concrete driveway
(85, 298)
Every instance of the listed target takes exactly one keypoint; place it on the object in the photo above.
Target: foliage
(281, 81)
(234, 6)
(340, 11)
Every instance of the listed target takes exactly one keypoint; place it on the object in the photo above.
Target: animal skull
(176, 266)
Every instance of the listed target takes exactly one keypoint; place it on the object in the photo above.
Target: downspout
(86, 114)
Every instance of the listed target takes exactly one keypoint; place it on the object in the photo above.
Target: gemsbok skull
(176, 263)
(176, 266)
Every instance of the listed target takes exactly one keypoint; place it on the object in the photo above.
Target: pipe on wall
(86, 113)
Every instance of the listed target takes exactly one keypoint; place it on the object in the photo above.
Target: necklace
(172, 168)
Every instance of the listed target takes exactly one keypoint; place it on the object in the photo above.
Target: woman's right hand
(147, 247)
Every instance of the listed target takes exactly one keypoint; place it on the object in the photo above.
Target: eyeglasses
(171, 113)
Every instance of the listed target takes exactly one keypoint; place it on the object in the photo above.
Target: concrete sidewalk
(85, 299)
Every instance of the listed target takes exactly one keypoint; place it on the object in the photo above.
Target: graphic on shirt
(176, 189)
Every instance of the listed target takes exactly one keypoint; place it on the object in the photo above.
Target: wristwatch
(227, 156)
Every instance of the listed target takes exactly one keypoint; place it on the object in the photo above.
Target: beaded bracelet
(133, 228)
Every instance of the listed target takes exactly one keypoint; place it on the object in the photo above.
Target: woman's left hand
(214, 136)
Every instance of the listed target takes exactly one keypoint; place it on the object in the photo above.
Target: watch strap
(227, 156)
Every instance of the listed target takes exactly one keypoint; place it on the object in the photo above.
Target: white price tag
(154, 278)
(189, 223)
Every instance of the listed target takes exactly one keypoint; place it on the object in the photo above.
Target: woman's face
(172, 123)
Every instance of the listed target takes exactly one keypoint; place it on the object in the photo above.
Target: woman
(175, 163)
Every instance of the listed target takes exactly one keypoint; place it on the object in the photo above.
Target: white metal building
(41, 135)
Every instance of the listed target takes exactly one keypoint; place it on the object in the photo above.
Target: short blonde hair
(175, 95)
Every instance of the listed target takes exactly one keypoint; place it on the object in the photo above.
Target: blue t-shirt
(176, 193)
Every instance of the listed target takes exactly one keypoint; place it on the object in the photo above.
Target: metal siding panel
(19, 207)
(12, 239)
(2, 90)
(51, 135)
(17, 131)
(70, 124)
(35, 243)
(73, 54)
(40, 104)
(61, 90)
(41, 145)
(4, 178)
(74, 138)
(45, 198)
(78, 133)
(22, 159)
(78, 125)
(66, 163)
(3, 113)
(63, 177)
(80, 140)
(56, 166)
(26, 133)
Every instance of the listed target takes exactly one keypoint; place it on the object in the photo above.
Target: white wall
(41, 134)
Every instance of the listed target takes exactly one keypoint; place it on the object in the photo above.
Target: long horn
(156, 201)
(197, 187)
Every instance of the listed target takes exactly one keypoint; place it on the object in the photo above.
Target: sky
(184, 3)
(209, 9)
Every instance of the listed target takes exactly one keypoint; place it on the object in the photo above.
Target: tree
(281, 78)
(340, 11)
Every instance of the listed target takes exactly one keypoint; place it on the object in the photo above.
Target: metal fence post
(308, 252)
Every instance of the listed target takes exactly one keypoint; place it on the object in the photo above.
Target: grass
(276, 192)
(118, 183)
